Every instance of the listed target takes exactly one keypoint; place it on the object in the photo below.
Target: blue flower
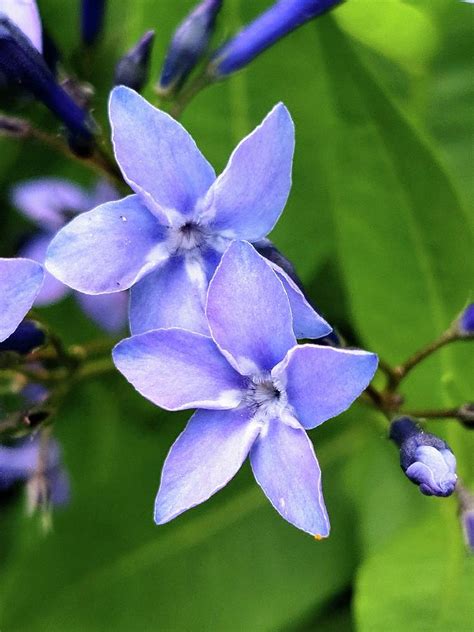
(25, 15)
(47, 481)
(426, 459)
(50, 203)
(132, 70)
(257, 392)
(188, 45)
(20, 282)
(167, 239)
(279, 20)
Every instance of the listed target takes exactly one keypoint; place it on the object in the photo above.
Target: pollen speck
(319, 537)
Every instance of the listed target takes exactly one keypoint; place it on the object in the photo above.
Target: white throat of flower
(266, 396)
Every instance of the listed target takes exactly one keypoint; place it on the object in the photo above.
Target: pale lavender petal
(178, 369)
(203, 459)
(59, 486)
(25, 14)
(49, 202)
(102, 193)
(108, 249)
(173, 295)
(247, 199)
(307, 323)
(286, 468)
(20, 282)
(248, 311)
(109, 311)
(158, 157)
(322, 382)
(52, 290)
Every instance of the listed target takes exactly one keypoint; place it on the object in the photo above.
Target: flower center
(185, 238)
(264, 395)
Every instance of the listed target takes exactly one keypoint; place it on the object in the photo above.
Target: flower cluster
(215, 324)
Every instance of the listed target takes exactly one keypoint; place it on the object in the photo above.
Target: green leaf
(422, 580)
(403, 33)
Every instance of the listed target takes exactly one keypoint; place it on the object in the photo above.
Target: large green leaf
(408, 585)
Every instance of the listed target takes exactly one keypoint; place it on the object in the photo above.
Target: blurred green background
(379, 225)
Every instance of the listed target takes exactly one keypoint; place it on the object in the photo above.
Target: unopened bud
(279, 20)
(21, 63)
(426, 459)
(133, 69)
(188, 45)
(92, 20)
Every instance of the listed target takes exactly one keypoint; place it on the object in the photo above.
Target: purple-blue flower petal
(286, 468)
(108, 249)
(49, 202)
(173, 295)
(52, 290)
(109, 311)
(247, 199)
(25, 14)
(203, 459)
(322, 382)
(158, 157)
(178, 369)
(248, 311)
(307, 323)
(20, 282)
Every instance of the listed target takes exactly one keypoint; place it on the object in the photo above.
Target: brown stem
(401, 371)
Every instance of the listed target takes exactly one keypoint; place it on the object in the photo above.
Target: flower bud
(27, 337)
(23, 65)
(92, 20)
(188, 45)
(132, 70)
(465, 322)
(426, 459)
(279, 20)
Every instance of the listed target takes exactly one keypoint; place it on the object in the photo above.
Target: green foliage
(378, 229)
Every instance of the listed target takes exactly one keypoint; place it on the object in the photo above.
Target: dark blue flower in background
(279, 20)
(39, 465)
(26, 338)
(50, 203)
(23, 66)
(426, 459)
(188, 45)
(256, 391)
(168, 238)
(20, 283)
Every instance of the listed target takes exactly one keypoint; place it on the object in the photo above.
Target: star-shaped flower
(20, 282)
(167, 239)
(50, 203)
(257, 392)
